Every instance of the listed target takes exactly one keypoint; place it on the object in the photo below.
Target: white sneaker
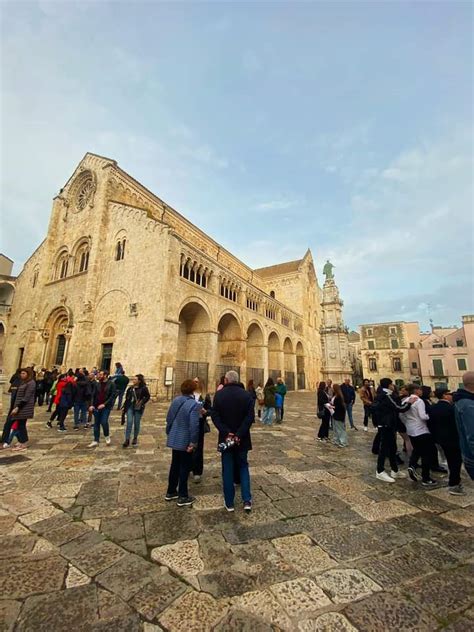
(6, 445)
(398, 474)
(366, 429)
(107, 440)
(94, 444)
(383, 476)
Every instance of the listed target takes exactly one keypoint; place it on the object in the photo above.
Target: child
(278, 407)
(13, 433)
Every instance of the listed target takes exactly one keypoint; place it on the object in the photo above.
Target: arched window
(63, 269)
(84, 260)
(60, 349)
(120, 249)
(34, 279)
(80, 255)
(61, 266)
(193, 271)
(272, 294)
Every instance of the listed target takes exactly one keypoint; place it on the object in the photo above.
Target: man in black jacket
(443, 427)
(82, 399)
(385, 410)
(233, 412)
(349, 394)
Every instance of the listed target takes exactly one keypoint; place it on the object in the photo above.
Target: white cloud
(279, 204)
(204, 154)
(339, 152)
(412, 221)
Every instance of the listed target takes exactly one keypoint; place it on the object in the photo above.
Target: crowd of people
(434, 437)
(88, 395)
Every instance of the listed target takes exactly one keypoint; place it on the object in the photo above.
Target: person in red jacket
(61, 403)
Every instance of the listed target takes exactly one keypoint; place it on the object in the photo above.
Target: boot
(135, 441)
(126, 443)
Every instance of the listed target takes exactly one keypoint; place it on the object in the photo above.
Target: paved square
(88, 542)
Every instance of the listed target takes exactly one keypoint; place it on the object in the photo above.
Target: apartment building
(390, 350)
(446, 353)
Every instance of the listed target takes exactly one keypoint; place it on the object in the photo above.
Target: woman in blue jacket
(182, 428)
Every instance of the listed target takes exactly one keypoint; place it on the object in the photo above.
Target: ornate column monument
(334, 335)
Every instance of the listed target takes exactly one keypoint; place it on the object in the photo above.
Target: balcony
(415, 372)
(438, 373)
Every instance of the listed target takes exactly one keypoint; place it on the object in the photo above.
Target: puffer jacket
(25, 400)
(464, 413)
(66, 399)
(269, 396)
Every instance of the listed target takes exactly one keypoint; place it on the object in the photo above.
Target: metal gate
(274, 374)
(188, 371)
(301, 378)
(221, 369)
(290, 380)
(257, 375)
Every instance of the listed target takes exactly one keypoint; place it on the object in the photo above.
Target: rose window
(84, 192)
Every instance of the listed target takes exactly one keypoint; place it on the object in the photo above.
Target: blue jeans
(230, 459)
(268, 414)
(133, 419)
(13, 434)
(101, 418)
(80, 413)
(340, 435)
(349, 414)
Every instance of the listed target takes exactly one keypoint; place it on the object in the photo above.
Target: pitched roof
(279, 268)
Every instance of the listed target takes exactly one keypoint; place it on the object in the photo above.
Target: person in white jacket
(415, 420)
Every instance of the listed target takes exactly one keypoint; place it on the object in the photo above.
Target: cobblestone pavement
(88, 542)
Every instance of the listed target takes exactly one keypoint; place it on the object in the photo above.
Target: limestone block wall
(110, 273)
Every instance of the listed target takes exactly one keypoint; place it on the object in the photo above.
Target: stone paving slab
(90, 544)
(76, 609)
(327, 622)
(30, 575)
(384, 611)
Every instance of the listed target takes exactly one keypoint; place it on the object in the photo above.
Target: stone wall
(141, 304)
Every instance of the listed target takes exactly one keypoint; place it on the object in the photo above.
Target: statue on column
(328, 270)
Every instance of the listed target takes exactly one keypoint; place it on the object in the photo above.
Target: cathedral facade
(122, 277)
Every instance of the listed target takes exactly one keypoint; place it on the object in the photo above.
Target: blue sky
(273, 126)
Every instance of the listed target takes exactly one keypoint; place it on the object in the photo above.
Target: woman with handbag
(23, 409)
(206, 404)
(182, 429)
(323, 413)
(136, 398)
